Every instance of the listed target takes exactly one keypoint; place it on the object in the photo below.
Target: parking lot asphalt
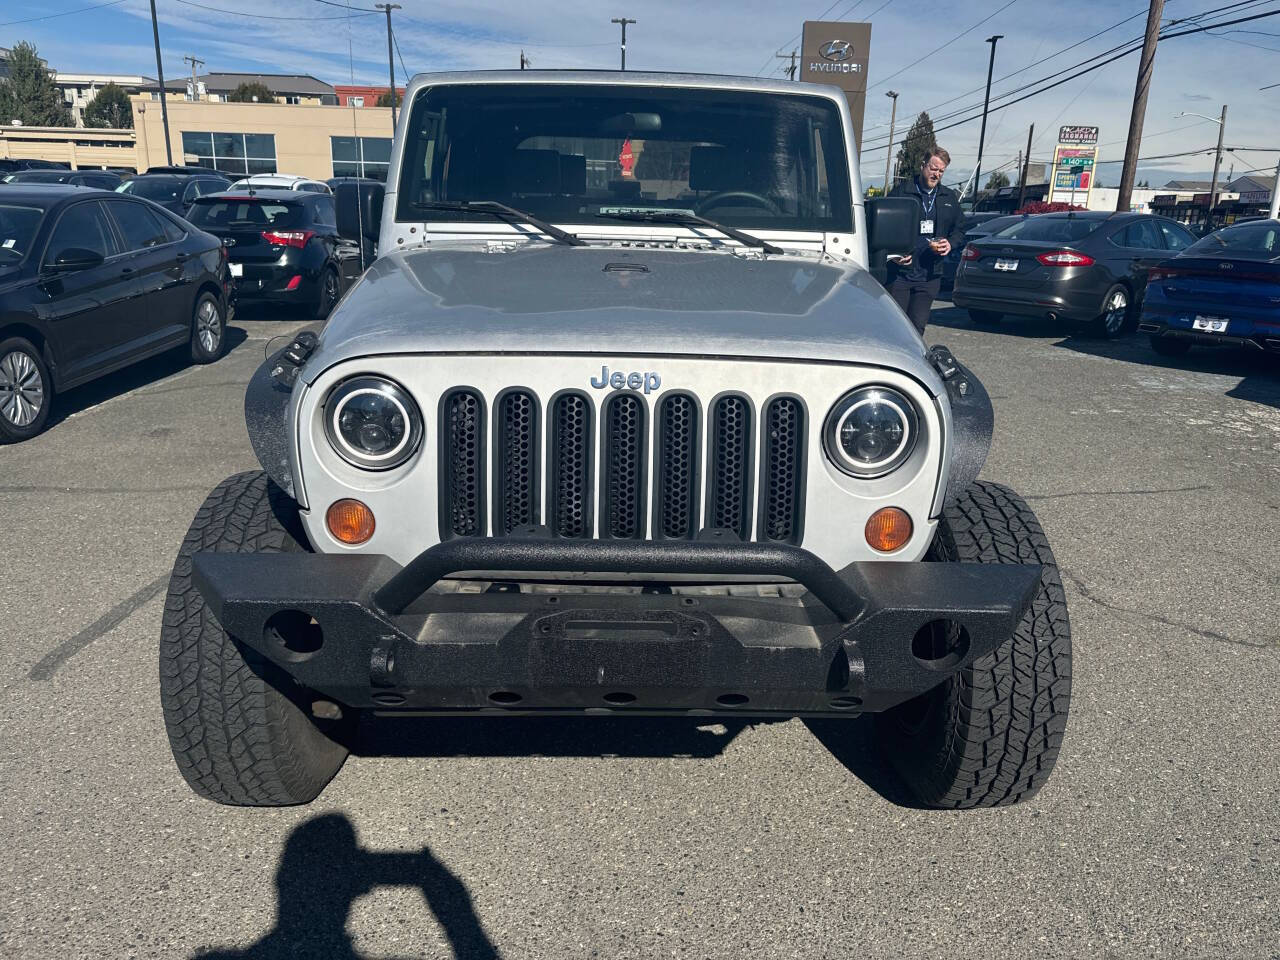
(1158, 483)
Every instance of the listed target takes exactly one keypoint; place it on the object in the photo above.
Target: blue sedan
(1222, 290)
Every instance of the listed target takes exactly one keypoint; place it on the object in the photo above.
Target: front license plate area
(237, 269)
(1007, 266)
(1210, 324)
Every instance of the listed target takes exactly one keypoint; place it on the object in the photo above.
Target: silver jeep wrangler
(619, 421)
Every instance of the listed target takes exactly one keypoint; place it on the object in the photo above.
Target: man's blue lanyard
(933, 199)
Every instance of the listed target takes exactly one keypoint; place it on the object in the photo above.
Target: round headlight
(373, 423)
(871, 432)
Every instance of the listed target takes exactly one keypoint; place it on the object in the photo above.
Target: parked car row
(92, 280)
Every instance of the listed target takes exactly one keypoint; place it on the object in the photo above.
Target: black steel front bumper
(368, 633)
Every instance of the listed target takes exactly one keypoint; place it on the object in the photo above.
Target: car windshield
(577, 154)
(1049, 229)
(1252, 241)
(242, 212)
(18, 226)
(159, 189)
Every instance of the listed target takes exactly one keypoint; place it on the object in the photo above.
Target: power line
(64, 13)
(264, 16)
(943, 47)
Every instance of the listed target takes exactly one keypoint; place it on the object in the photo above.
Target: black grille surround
(729, 467)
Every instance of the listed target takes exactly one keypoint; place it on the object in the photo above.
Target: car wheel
(985, 317)
(990, 735)
(208, 329)
(1114, 318)
(330, 287)
(240, 728)
(1170, 346)
(26, 390)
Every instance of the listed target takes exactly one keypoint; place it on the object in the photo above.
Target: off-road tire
(990, 735)
(985, 317)
(1170, 346)
(238, 725)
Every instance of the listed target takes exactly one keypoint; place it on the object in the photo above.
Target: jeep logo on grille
(635, 380)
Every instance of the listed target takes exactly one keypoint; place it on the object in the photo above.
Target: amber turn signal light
(888, 529)
(351, 522)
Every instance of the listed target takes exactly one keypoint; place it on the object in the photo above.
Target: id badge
(926, 228)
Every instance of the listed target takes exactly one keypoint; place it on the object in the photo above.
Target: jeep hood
(615, 301)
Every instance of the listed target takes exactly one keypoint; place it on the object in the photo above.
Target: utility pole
(986, 104)
(1026, 168)
(624, 21)
(1217, 162)
(1275, 195)
(195, 88)
(1145, 69)
(893, 118)
(524, 61)
(164, 108)
(391, 64)
(791, 70)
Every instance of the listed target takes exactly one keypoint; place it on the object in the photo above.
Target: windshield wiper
(673, 216)
(502, 212)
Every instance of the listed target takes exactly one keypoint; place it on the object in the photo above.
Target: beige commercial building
(309, 140)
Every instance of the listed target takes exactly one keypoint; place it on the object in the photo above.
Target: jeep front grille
(648, 486)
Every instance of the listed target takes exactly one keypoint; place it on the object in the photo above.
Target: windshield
(158, 189)
(18, 226)
(1253, 241)
(242, 213)
(568, 153)
(1049, 229)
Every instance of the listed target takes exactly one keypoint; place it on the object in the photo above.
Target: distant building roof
(280, 84)
(1251, 184)
(1187, 186)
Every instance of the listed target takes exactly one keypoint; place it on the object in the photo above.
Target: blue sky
(1194, 74)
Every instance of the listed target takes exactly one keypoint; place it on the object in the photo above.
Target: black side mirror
(75, 258)
(359, 209)
(893, 226)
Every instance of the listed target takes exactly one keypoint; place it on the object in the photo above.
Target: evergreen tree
(997, 180)
(29, 94)
(110, 108)
(385, 99)
(920, 140)
(251, 93)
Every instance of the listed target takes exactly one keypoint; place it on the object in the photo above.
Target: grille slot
(622, 486)
(462, 500)
(569, 502)
(516, 498)
(676, 496)
(729, 466)
(782, 471)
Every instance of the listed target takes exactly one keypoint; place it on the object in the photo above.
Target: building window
(356, 101)
(293, 98)
(361, 156)
(241, 154)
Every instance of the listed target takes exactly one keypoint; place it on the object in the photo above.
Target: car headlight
(871, 432)
(372, 423)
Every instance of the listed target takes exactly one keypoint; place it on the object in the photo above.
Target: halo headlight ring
(871, 432)
(382, 427)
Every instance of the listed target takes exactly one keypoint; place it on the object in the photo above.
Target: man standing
(914, 279)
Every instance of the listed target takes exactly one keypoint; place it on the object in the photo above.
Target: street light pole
(164, 107)
(893, 116)
(624, 21)
(391, 64)
(986, 104)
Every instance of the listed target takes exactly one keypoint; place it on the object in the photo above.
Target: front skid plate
(315, 616)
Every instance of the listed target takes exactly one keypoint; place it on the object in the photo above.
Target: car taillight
(1161, 273)
(971, 253)
(288, 238)
(1065, 258)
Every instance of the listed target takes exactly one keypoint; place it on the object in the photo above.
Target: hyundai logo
(837, 51)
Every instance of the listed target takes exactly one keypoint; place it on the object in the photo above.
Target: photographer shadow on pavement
(323, 870)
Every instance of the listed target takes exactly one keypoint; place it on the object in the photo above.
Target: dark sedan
(91, 281)
(1222, 291)
(282, 246)
(98, 179)
(977, 226)
(1087, 267)
(174, 192)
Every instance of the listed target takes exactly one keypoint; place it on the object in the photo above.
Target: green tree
(29, 94)
(919, 141)
(997, 180)
(252, 93)
(110, 108)
(385, 99)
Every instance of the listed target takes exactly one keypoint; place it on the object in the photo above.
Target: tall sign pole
(164, 107)
(1124, 197)
(836, 52)
(624, 21)
(391, 64)
(893, 118)
(986, 104)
